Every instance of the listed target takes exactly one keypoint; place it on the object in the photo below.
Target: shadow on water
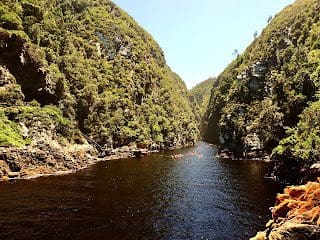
(197, 196)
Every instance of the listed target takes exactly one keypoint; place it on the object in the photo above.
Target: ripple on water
(197, 196)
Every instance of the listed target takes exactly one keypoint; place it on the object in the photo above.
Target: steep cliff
(268, 96)
(73, 70)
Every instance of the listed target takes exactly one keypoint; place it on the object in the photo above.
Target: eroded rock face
(293, 230)
(43, 158)
(296, 215)
(10, 92)
(5, 77)
(20, 62)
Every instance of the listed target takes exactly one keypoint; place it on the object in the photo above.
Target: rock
(252, 142)
(99, 52)
(293, 230)
(154, 146)
(222, 141)
(259, 236)
(259, 69)
(5, 77)
(24, 130)
(13, 174)
(296, 215)
(4, 168)
(5, 178)
(124, 51)
(254, 84)
(12, 163)
(316, 166)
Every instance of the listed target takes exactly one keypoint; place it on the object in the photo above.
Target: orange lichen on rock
(302, 201)
(296, 215)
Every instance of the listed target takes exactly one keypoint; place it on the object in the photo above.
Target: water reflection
(157, 197)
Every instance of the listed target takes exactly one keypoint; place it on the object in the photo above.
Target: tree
(235, 52)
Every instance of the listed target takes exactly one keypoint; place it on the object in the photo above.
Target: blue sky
(199, 37)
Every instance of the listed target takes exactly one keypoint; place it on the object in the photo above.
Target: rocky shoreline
(53, 159)
(296, 215)
(252, 155)
(46, 156)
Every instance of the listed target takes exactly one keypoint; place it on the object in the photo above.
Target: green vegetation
(300, 149)
(200, 94)
(199, 97)
(10, 132)
(303, 140)
(264, 91)
(97, 68)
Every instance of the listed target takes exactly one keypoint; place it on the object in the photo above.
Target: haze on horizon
(199, 37)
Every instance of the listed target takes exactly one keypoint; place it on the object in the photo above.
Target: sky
(199, 37)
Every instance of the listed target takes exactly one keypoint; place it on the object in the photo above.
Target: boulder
(259, 69)
(13, 174)
(294, 230)
(316, 166)
(252, 142)
(4, 178)
(6, 77)
(4, 168)
(296, 215)
(259, 236)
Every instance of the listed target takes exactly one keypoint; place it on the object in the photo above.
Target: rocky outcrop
(27, 69)
(10, 91)
(44, 158)
(296, 215)
(47, 154)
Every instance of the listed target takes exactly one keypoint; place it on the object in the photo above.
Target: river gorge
(182, 194)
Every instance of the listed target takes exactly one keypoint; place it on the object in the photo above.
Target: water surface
(197, 196)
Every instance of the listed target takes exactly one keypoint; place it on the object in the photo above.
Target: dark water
(156, 197)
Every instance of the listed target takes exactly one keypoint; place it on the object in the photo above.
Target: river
(198, 196)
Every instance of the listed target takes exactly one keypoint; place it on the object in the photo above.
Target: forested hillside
(74, 67)
(268, 97)
(199, 97)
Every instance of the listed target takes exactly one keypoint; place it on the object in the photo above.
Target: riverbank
(53, 159)
(47, 156)
(252, 155)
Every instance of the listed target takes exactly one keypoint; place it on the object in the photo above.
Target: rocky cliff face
(270, 92)
(78, 70)
(296, 215)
